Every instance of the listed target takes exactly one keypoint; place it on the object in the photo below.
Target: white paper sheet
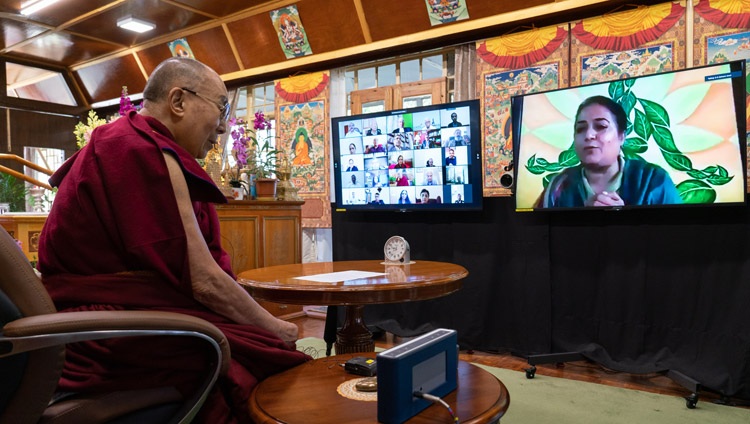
(335, 277)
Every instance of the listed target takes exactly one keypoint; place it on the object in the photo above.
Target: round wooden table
(308, 394)
(419, 280)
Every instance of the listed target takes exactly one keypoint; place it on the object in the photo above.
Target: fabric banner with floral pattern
(522, 49)
(641, 41)
(721, 34)
(725, 13)
(302, 88)
(529, 61)
(628, 30)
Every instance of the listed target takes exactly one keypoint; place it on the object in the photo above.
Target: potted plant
(12, 192)
(256, 156)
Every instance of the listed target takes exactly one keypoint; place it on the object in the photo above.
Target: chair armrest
(95, 325)
(47, 330)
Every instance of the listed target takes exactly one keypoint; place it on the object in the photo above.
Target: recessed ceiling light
(134, 24)
(33, 6)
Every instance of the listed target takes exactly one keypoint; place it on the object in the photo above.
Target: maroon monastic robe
(114, 240)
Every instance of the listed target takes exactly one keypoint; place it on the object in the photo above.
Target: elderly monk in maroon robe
(133, 227)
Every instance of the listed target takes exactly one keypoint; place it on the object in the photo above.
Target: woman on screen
(604, 177)
(403, 199)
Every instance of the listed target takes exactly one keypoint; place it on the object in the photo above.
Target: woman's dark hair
(403, 200)
(617, 111)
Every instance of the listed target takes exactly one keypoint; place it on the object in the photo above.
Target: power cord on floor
(435, 399)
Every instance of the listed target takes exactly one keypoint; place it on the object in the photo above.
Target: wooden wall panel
(166, 16)
(153, 56)
(40, 130)
(65, 48)
(396, 19)
(483, 9)
(15, 32)
(4, 129)
(105, 80)
(58, 13)
(212, 48)
(256, 41)
(331, 24)
(219, 8)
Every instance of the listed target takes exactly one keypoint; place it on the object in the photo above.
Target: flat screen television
(681, 142)
(417, 159)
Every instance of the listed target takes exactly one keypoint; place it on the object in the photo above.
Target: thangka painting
(617, 65)
(721, 34)
(499, 87)
(303, 138)
(444, 11)
(526, 62)
(181, 48)
(727, 47)
(642, 41)
(291, 33)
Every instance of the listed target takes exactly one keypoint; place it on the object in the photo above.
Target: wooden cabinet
(25, 227)
(257, 234)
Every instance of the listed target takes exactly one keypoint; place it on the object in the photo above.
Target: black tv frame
(472, 196)
(740, 93)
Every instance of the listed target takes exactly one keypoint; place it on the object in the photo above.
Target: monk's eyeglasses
(223, 107)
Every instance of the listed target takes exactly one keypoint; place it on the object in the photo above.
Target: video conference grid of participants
(410, 158)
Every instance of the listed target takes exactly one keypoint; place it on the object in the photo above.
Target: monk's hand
(607, 198)
(288, 332)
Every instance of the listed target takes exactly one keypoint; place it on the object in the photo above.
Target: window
(400, 70)
(250, 100)
(31, 83)
(39, 199)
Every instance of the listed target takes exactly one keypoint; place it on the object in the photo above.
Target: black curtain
(638, 291)
(508, 268)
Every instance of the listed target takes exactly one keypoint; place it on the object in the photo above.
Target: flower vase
(238, 193)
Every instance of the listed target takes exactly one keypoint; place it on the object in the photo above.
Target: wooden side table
(308, 394)
(393, 283)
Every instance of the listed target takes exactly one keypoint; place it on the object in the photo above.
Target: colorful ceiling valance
(726, 13)
(628, 30)
(302, 88)
(521, 50)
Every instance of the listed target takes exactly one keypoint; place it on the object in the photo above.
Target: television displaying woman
(604, 176)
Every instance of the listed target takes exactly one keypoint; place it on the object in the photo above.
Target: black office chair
(32, 352)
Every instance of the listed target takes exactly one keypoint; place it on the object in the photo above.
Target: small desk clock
(396, 251)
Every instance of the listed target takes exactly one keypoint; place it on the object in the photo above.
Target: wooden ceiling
(237, 37)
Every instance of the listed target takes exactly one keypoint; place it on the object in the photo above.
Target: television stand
(549, 358)
(688, 383)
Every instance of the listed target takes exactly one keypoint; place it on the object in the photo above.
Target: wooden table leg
(354, 336)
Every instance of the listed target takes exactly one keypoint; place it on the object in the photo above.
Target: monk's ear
(176, 101)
